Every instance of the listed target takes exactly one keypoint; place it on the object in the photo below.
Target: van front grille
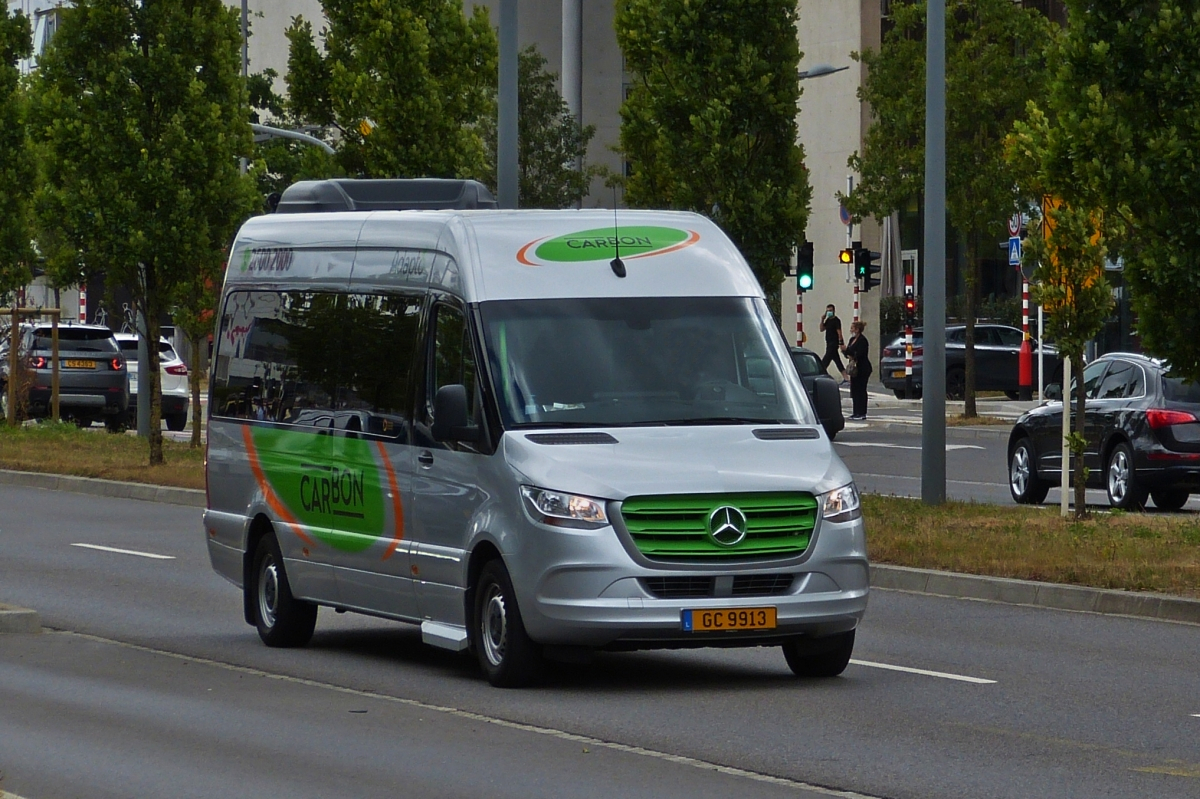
(762, 584)
(679, 587)
(679, 526)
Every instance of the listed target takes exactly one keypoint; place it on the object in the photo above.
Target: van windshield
(624, 361)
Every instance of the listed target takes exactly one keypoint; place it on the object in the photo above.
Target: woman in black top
(858, 349)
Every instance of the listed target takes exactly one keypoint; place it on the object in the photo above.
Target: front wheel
(819, 657)
(1124, 492)
(508, 657)
(1169, 498)
(281, 619)
(1026, 487)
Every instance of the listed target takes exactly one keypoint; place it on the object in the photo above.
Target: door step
(444, 636)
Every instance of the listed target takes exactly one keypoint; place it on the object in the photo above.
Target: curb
(1043, 595)
(989, 431)
(118, 489)
(19, 620)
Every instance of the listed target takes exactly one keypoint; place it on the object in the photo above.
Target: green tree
(550, 141)
(16, 163)
(141, 111)
(1126, 116)
(710, 121)
(994, 66)
(404, 83)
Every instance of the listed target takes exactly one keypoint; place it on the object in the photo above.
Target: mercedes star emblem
(727, 526)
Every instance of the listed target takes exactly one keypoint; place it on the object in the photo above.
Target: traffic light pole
(933, 380)
(909, 310)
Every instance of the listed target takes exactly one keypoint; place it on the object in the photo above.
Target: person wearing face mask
(831, 326)
(858, 353)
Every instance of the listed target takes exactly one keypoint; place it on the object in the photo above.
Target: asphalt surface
(1004, 701)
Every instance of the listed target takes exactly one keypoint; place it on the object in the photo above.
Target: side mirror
(828, 401)
(1052, 391)
(450, 419)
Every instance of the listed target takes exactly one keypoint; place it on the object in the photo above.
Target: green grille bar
(676, 526)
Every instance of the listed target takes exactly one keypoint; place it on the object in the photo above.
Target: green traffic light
(805, 281)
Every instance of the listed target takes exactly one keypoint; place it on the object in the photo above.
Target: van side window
(453, 360)
(379, 334)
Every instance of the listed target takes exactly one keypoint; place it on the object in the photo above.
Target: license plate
(898, 373)
(732, 619)
(73, 364)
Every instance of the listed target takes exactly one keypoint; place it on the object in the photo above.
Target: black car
(997, 361)
(808, 365)
(1142, 428)
(93, 381)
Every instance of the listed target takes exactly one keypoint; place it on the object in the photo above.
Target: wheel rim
(1118, 477)
(494, 625)
(268, 592)
(1019, 473)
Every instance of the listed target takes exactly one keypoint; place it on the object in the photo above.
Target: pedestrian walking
(831, 326)
(858, 364)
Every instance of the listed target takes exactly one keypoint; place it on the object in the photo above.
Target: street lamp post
(933, 411)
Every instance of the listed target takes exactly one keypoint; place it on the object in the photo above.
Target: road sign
(1014, 225)
(1014, 251)
(844, 215)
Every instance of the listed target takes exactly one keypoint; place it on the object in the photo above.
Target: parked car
(997, 354)
(1142, 432)
(93, 382)
(808, 365)
(173, 375)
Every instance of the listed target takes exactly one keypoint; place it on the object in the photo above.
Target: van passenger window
(453, 361)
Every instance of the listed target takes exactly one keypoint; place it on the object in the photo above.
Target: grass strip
(65, 449)
(1157, 552)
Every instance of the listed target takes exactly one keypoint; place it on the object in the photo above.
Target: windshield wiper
(721, 420)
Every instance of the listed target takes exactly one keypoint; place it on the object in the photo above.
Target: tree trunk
(150, 314)
(970, 275)
(1080, 421)
(194, 375)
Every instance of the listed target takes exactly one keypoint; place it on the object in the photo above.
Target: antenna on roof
(618, 266)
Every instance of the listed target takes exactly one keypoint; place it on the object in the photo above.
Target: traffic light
(804, 266)
(846, 256)
(910, 306)
(865, 267)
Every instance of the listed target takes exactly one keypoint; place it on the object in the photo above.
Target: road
(152, 685)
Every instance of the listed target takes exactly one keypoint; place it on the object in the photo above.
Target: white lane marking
(924, 672)
(682, 760)
(125, 551)
(1196, 715)
(949, 447)
(918, 477)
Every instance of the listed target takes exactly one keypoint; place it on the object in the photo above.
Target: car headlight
(841, 505)
(564, 510)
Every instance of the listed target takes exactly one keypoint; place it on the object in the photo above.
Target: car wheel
(176, 422)
(1123, 489)
(115, 423)
(819, 657)
(1013, 395)
(83, 421)
(508, 657)
(1169, 498)
(956, 384)
(281, 619)
(1026, 487)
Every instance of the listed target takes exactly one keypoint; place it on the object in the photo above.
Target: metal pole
(1065, 480)
(572, 57)
(143, 373)
(1041, 354)
(506, 127)
(54, 366)
(243, 164)
(933, 416)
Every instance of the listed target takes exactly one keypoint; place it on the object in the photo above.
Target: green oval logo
(602, 244)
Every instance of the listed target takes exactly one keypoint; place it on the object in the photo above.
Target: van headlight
(564, 510)
(841, 505)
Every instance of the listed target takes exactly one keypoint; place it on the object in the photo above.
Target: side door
(379, 335)
(1008, 368)
(1103, 413)
(1048, 437)
(989, 359)
(446, 480)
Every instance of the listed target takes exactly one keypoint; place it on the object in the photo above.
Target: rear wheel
(1169, 498)
(115, 423)
(83, 420)
(508, 657)
(1026, 487)
(819, 657)
(956, 384)
(1013, 395)
(281, 619)
(176, 422)
(1124, 492)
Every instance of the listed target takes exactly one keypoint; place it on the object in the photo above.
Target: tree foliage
(994, 67)
(550, 141)
(1124, 130)
(141, 112)
(710, 121)
(16, 163)
(404, 83)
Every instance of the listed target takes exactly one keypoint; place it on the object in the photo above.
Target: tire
(1169, 498)
(83, 422)
(1023, 482)
(1013, 395)
(819, 657)
(899, 392)
(956, 384)
(115, 423)
(508, 657)
(281, 619)
(176, 422)
(1120, 479)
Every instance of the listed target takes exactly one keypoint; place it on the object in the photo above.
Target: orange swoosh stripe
(521, 252)
(273, 500)
(692, 238)
(397, 504)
